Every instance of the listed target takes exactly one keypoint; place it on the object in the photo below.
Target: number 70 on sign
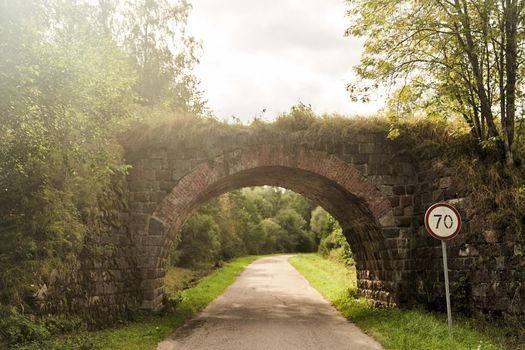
(442, 221)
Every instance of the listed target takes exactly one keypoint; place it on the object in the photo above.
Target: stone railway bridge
(373, 186)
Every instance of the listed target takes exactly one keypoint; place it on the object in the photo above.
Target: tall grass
(398, 329)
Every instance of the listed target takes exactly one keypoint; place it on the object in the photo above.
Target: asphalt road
(272, 307)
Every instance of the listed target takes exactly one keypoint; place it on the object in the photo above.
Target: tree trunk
(510, 18)
(469, 47)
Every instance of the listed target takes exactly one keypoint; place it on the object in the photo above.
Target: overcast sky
(272, 54)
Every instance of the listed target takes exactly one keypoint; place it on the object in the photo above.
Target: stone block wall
(375, 187)
(365, 182)
(486, 264)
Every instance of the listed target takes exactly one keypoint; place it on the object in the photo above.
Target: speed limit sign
(443, 221)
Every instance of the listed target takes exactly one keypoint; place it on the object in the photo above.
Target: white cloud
(259, 55)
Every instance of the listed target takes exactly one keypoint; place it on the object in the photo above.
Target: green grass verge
(178, 279)
(145, 334)
(394, 328)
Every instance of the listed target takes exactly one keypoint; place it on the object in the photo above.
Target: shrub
(17, 328)
(335, 246)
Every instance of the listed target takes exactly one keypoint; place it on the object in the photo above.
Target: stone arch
(364, 212)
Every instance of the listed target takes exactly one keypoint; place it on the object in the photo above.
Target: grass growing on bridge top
(300, 125)
(145, 334)
(397, 329)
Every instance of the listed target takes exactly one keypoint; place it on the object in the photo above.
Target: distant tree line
(259, 220)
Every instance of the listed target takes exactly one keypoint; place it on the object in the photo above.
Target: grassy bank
(145, 334)
(393, 328)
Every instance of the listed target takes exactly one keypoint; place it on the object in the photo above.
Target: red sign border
(427, 226)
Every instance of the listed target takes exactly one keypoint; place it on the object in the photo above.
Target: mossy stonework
(376, 188)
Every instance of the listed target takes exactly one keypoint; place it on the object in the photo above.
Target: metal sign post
(443, 222)
(447, 291)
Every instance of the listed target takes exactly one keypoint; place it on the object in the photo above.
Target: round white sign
(442, 221)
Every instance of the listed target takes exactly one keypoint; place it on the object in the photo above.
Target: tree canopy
(256, 220)
(73, 74)
(445, 59)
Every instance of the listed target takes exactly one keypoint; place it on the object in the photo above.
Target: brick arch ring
(355, 201)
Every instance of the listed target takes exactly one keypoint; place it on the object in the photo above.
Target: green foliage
(163, 54)
(16, 328)
(245, 220)
(298, 203)
(257, 220)
(445, 60)
(65, 90)
(497, 192)
(178, 279)
(301, 117)
(322, 223)
(332, 242)
(461, 289)
(168, 129)
(293, 225)
(392, 327)
(199, 241)
(335, 246)
(427, 138)
(71, 78)
(273, 235)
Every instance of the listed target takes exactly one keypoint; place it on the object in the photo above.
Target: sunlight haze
(261, 55)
